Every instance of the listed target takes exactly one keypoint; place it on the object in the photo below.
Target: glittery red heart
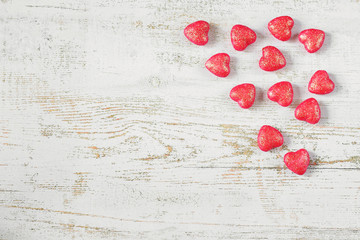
(244, 95)
(280, 27)
(312, 39)
(219, 64)
(241, 37)
(320, 83)
(309, 111)
(298, 161)
(282, 93)
(197, 32)
(272, 59)
(269, 138)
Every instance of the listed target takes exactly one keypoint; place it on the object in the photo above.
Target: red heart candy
(241, 37)
(243, 94)
(320, 83)
(312, 39)
(269, 138)
(282, 93)
(219, 64)
(309, 111)
(197, 32)
(298, 161)
(280, 27)
(272, 59)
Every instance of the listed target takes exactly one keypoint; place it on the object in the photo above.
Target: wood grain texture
(112, 128)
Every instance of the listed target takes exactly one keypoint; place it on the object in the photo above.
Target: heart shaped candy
(320, 83)
(197, 32)
(298, 161)
(219, 64)
(309, 111)
(269, 138)
(243, 94)
(272, 59)
(312, 39)
(280, 27)
(282, 93)
(241, 37)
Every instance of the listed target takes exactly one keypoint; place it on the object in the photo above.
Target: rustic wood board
(112, 128)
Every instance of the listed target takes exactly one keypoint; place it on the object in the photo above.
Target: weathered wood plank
(247, 203)
(153, 129)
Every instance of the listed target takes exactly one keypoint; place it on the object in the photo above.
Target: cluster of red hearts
(282, 92)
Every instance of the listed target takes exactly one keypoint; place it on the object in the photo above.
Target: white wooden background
(112, 128)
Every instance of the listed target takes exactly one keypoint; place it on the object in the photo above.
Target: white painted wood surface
(112, 128)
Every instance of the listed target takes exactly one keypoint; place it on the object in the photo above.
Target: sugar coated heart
(309, 111)
(298, 161)
(280, 27)
(197, 32)
(282, 93)
(312, 39)
(320, 83)
(243, 94)
(272, 59)
(219, 64)
(241, 37)
(269, 138)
